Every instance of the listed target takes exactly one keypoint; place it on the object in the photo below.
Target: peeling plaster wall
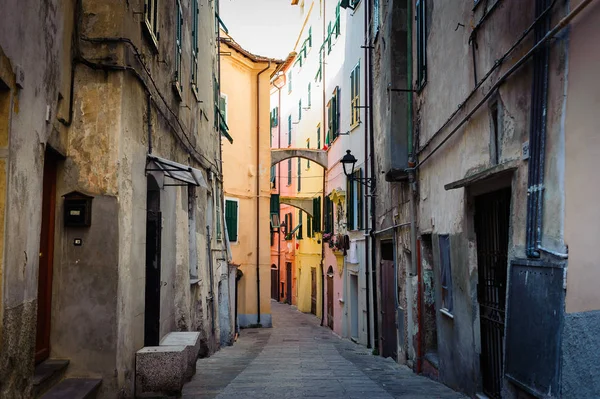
(449, 80)
(31, 53)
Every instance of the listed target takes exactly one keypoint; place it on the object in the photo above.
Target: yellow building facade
(245, 85)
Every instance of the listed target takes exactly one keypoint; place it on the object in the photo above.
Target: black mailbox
(78, 209)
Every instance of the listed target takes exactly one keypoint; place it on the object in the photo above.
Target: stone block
(191, 340)
(160, 370)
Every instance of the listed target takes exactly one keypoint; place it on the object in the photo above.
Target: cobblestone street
(299, 359)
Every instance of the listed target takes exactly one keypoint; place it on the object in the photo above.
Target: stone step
(74, 388)
(160, 371)
(47, 374)
(189, 339)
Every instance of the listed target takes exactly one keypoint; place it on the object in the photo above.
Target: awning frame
(167, 166)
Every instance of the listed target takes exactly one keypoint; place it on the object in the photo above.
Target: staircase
(49, 382)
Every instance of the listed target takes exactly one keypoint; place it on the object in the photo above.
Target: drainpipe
(369, 127)
(366, 204)
(278, 182)
(258, 191)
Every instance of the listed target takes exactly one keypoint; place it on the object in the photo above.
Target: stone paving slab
(297, 358)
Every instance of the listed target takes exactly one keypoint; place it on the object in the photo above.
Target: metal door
(313, 291)
(492, 217)
(288, 282)
(42, 344)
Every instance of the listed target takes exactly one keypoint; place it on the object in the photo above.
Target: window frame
(237, 219)
(289, 172)
(151, 22)
(446, 274)
(178, 50)
(299, 176)
(289, 130)
(194, 63)
(223, 110)
(421, 37)
(355, 96)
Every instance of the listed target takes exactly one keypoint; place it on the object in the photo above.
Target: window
(300, 110)
(275, 117)
(300, 219)
(316, 223)
(333, 117)
(446, 273)
(421, 43)
(354, 203)
(289, 172)
(273, 176)
(178, 45)
(299, 174)
(231, 219)
(289, 130)
(309, 228)
(151, 20)
(289, 79)
(288, 226)
(195, 12)
(223, 106)
(319, 74)
(355, 96)
(319, 136)
(308, 146)
(328, 211)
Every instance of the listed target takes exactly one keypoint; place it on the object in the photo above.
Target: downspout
(211, 279)
(258, 191)
(323, 63)
(369, 128)
(366, 204)
(277, 179)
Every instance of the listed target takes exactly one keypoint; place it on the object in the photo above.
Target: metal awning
(176, 171)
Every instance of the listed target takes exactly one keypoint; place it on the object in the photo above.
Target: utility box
(78, 209)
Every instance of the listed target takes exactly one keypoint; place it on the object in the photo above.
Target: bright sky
(263, 27)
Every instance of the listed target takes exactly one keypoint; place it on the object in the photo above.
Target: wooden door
(313, 291)
(288, 282)
(330, 297)
(153, 265)
(274, 283)
(46, 257)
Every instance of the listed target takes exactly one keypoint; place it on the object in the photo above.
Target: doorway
(153, 265)
(313, 291)
(330, 297)
(288, 282)
(389, 329)
(46, 259)
(492, 219)
(354, 307)
(274, 284)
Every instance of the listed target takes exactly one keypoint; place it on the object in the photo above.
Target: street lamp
(348, 161)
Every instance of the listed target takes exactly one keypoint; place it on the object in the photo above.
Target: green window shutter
(329, 31)
(300, 109)
(349, 204)
(289, 81)
(328, 215)
(310, 37)
(300, 218)
(359, 196)
(337, 20)
(275, 203)
(319, 137)
(317, 214)
(309, 95)
(289, 180)
(309, 229)
(223, 107)
(231, 215)
(299, 174)
(289, 129)
(308, 146)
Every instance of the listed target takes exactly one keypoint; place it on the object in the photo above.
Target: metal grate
(492, 216)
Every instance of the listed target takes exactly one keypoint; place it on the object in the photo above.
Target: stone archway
(281, 154)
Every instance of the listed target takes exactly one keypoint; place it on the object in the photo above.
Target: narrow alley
(299, 359)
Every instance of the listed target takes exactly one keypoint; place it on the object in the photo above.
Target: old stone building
(110, 170)
(484, 106)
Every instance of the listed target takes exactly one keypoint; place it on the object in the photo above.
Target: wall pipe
(323, 63)
(366, 202)
(258, 191)
(369, 128)
(560, 26)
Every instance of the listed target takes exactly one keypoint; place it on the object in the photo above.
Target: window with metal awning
(183, 174)
(223, 128)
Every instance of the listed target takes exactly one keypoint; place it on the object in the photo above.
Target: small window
(446, 273)
(288, 226)
(178, 45)
(289, 172)
(151, 20)
(355, 96)
(309, 228)
(299, 174)
(421, 43)
(231, 219)
(289, 130)
(195, 13)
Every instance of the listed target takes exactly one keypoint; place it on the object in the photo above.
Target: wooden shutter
(275, 203)
(300, 218)
(309, 227)
(317, 214)
(299, 174)
(289, 129)
(359, 198)
(349, 204)
(231, 212)
(289, 172)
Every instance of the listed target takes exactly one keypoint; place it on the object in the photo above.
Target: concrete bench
(160, 370)
(191, 340)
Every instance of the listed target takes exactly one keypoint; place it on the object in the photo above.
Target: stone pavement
(299, 359)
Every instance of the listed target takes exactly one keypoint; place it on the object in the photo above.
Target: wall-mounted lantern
(348, 161)
(78, 209)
